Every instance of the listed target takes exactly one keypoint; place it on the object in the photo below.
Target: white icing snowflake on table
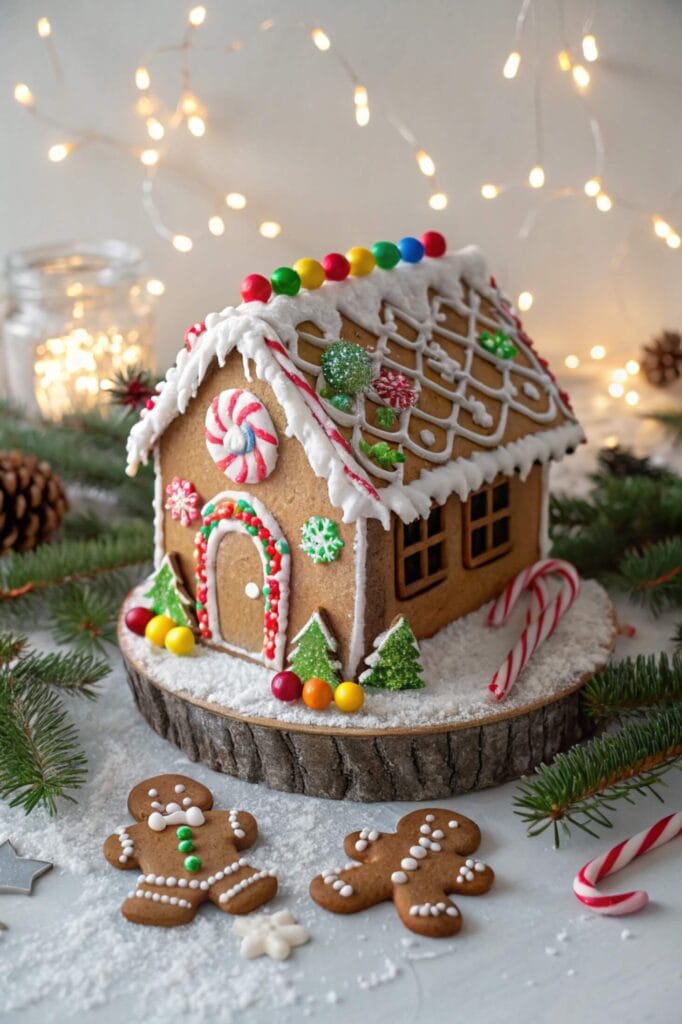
(183, 501)
(272, 934)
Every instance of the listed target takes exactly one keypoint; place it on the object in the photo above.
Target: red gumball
(434, 243)
(255, 288)
(137, 618)
(336, 267)
(286, 686)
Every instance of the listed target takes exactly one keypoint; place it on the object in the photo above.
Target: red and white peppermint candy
(240, 436)
(542, 620)
(192, 333)
(585, 882)
(395, 389)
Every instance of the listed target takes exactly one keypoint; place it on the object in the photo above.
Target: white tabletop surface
(528, 951)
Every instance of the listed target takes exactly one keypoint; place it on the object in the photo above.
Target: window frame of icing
(419, 548)
(473, 524)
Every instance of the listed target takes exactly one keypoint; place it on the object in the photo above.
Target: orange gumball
(317, 694)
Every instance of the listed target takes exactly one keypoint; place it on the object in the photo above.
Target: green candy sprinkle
(184, 832)
(186, 846)
(386, 255)
(192, 864)
(285, 281)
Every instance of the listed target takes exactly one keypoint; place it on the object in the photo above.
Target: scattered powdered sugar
(458, 665)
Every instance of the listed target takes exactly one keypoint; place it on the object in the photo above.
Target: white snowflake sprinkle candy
(274, 935)
(183, 501)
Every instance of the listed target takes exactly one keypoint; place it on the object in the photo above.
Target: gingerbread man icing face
(187, 854)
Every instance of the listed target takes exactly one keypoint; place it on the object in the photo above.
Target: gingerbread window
(487, 524)
(420, 553)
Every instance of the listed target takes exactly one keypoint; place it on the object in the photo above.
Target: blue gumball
(411, 250)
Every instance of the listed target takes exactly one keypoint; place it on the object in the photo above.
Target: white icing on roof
(266, 336)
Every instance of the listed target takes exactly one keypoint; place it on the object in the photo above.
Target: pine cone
(662, 359)
(32, 501)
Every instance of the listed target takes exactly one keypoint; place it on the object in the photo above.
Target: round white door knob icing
(252, 590)
(240, 436)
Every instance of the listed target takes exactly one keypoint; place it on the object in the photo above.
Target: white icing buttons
(409, 864)
(418, 851)
(179, 788)
(152, 792)
(430, 817)
(398, 877)
(453, 824)
(252, 590)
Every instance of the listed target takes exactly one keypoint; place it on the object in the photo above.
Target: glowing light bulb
(360, 97)
(581, 76)
(611, 441)
(196, 126)
(362, 116)
(438, 201)
(673, 240)
(145, 106)
(572, 362)
(490, 191)
(536, 178)
(632, 367)
(632, 397)
(197, 16)
(155, 287)
(59, 151)
(598, 352)
(155, 129)
(590, 48)
(235, 200)
(661, 228)
(512, 64)
(321, 39)
(524, 301)
(183, 243)
(142, 79)
(620, 375)
(592, 187)
(23, 94)
(425, 163)
(189, 104)
(44, 28)
(149, 157)
(616, 390)
(270, 228)
(216, 225)
(564, 59)
(603, 202)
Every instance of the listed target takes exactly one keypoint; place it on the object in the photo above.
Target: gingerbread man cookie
(417, 867)
(186, 853)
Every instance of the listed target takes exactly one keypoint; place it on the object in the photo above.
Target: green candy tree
(395, 663)
(315, 650)
(168, 596)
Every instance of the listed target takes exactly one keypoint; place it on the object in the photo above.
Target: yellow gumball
(180, 640)
(311, 273)
(158, 628)
(361, 261)
(349, 697)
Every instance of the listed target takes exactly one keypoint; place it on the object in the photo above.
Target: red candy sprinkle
(137, 618)
(255, 288)
(285, 685)
(434, 243)
(336, 266)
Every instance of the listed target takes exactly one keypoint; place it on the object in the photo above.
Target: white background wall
(281, 129)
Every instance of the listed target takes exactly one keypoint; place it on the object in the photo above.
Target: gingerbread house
(370, 446)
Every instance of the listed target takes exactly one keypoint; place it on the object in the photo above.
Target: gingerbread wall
(291, 493)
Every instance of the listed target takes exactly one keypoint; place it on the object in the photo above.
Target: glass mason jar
(78, 315)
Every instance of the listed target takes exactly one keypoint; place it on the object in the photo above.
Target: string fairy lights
(160, 124)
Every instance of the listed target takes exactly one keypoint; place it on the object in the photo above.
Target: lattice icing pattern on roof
(407, 310)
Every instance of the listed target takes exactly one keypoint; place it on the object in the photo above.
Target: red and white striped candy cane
(539, 625)
(585, 882)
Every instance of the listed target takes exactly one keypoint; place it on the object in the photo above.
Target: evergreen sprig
(582, 786)
(85, 615)
(40, 756)
(654, 576)
(633, 686)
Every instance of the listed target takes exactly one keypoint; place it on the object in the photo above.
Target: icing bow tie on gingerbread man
(417, 866)
(187, 854)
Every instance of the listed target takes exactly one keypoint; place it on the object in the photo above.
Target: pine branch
(582, 786)
(84, 616)
(72, 673)
(631, 686)
(11, 646)
(87, 525)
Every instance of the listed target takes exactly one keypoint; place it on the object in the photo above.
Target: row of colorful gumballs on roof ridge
(358, 262)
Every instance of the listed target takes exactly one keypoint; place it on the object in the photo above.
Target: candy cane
(537, 628)
(240, 436)
(584, 883)
(193, 332)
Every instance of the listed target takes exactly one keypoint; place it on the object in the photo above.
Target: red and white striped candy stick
(537, 630)
(584, 883)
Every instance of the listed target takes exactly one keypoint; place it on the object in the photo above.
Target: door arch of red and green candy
(233, 511)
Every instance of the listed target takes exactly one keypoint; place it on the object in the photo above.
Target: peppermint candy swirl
(240, 436)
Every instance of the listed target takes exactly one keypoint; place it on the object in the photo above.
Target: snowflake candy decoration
(272, 934)
(320, 539)
(397, 390)
(183, 501)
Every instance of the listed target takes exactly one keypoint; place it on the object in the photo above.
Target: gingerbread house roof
(474, 415)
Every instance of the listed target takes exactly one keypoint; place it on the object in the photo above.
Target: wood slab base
(425, 763)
